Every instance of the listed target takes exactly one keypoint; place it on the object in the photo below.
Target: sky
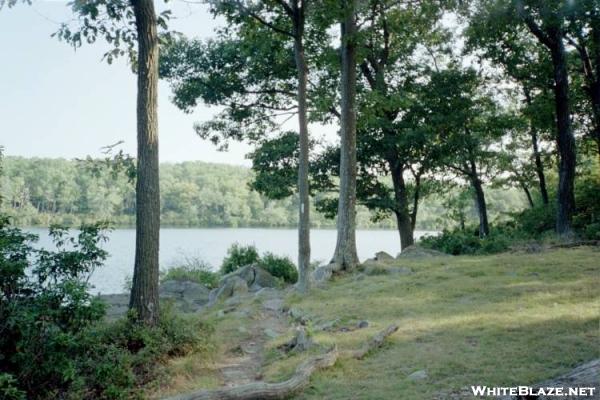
(58, 102)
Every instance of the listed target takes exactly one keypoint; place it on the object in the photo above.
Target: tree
(465, 124)
(345, 256)
(399, 41)
(256, 96)
(583, 33)
(546, 22)
(144, 291)
(111, 19)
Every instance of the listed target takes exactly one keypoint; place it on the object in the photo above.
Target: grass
(503, 320)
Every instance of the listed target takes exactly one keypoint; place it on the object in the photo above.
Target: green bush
(193, 269)
(239, 256)
(280, 267)
(535, 221)
(54, 337)
(467, 242)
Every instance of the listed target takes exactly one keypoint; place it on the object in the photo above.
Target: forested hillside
(39, 191)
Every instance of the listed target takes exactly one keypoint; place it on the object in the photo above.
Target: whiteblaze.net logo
(532, 391)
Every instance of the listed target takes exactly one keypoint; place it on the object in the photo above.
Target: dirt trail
(245, 360)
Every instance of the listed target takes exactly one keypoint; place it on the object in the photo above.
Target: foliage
(239, 256)
(192, 269)
(467, 242)
(54, 338)
(587, 213)
(39, 191)
(279, 267)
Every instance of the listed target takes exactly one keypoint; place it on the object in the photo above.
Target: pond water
(211, 245)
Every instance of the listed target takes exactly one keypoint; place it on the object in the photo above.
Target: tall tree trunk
(345, 256)
(303, 189)
(144, 292)
(484, 227)
(405, 228)
(537, 157)
(565, 140)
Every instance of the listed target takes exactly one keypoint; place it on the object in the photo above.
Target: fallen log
(298, 381)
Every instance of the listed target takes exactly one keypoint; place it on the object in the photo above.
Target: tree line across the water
(41, 192)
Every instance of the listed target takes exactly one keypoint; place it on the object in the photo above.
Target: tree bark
(528, 195)
(303, 188)
(144, 292)
(565, 140)
(403, 219)
(416, 198)
(484, 227)
(345, 256)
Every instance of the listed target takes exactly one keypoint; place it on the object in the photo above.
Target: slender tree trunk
(484, 227)
(144, 292)
(566, 140)
(303, 189)
(528, 194)
(416, 198)
(345, 256)
(539, 166)
(404, 222)
(537, 157)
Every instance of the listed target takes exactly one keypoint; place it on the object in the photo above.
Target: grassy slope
(493, 320)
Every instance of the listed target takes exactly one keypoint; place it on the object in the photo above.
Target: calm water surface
(211, 245)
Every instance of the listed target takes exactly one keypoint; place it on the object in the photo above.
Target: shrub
(239, 256)
(464, 242)
(54, 338)
(193, 269)
(280, 267)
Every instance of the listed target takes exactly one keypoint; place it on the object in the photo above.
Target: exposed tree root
(298, 381)
(375, 342)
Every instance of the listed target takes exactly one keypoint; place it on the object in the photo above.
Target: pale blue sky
(57, 102)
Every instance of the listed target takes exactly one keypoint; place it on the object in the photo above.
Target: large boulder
(117, 304)
(184, 291)
(322, 274)
(417, 251)
(233, 286)
(382, 256)
(255, 277)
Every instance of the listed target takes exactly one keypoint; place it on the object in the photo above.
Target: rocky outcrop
(187, 296)
(255, 277)
(417, 251)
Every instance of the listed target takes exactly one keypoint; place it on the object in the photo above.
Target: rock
(273, 304)
(212, 296)
(382, 256)
(233, 286)
(322, 274)
(118, 304)
(190, 292)
(271, 333)
(187, 297)
(300, 342)
(362, 324)
(418, 375)
(372, 267)
(298, 316)
(255, 277)
(417, 251)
